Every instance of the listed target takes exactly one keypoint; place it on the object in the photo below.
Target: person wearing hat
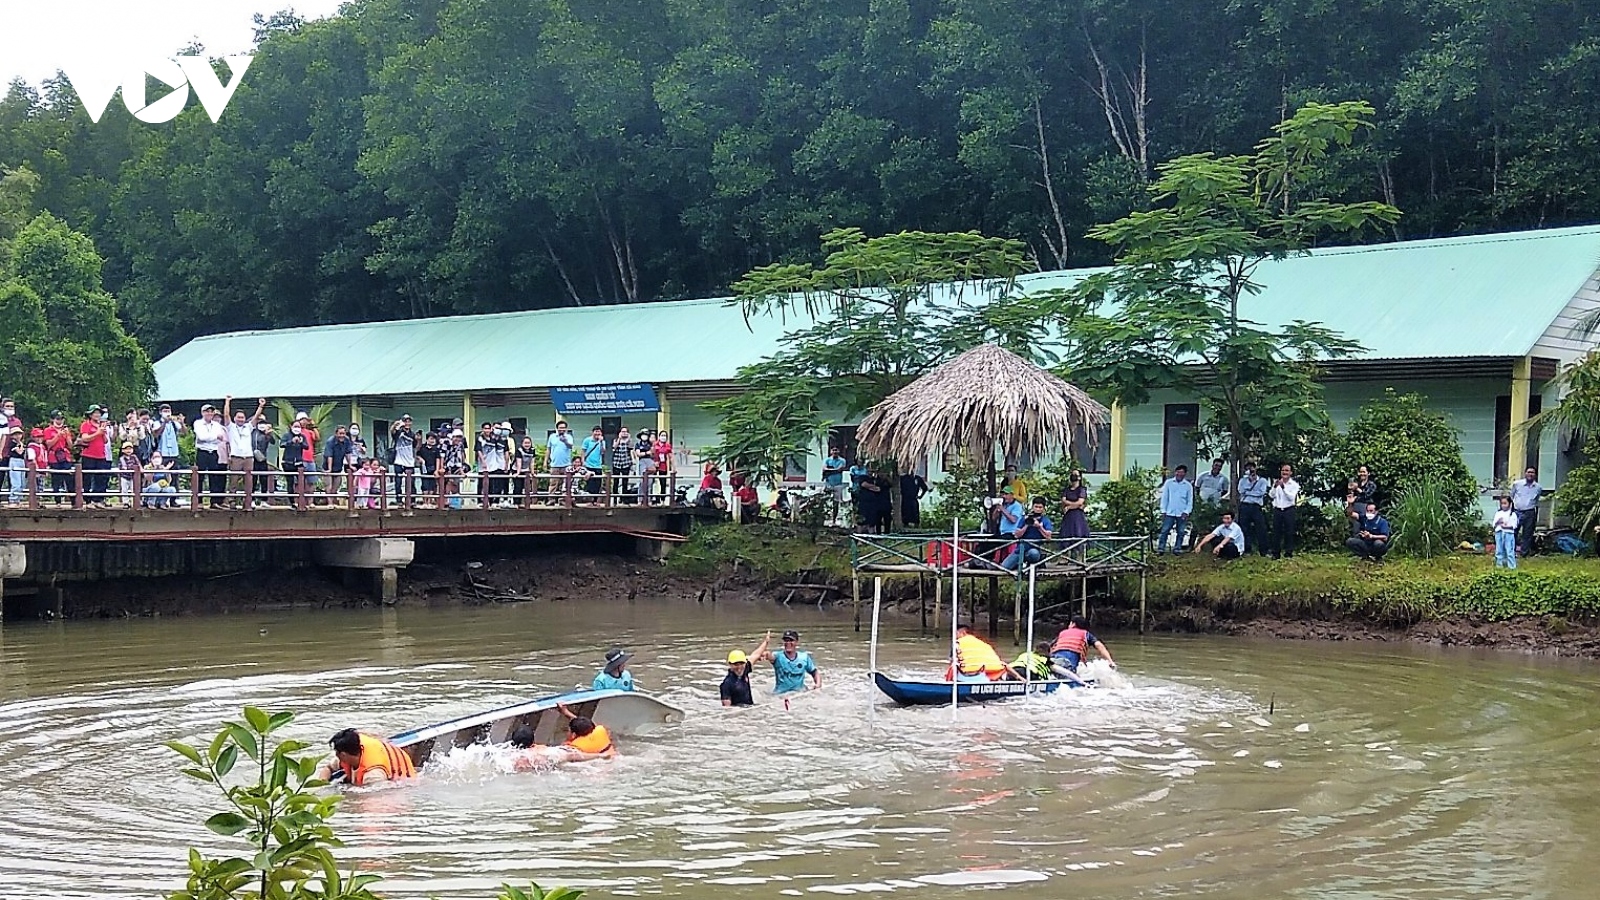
(615, 676)
(127, 467)
(58, 440)
(791, 665)
(14, 450)
(735, 687)
(94, 454)
(210, 443)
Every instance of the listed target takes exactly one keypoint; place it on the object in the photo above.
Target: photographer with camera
(1035, 527)
(403, 459)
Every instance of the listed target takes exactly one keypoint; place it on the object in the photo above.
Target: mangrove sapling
(283, 818)
(279, 814)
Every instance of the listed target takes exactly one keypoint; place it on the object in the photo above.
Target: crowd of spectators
(240, 457)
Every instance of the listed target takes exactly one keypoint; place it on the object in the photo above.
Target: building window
(1180, 422)
(843, 439)
(794, 468)
(1502, 438)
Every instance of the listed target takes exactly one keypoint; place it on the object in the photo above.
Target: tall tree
(874, 314)
(63, 346)
(1166, 315)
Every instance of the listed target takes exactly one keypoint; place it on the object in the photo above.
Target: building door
(843, 439)
(1179, 423)
(1503, 470)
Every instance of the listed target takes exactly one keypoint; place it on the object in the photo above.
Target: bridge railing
(985, 554)
(91, 487)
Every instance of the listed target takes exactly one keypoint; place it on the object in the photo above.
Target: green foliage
(772, 549)
(321, 415)
(1403, 591)
(1578, 498)
(1421, 520)
(61, 345)
(1126, 506)
(1405, 444)
(1167, 314)
(883, 312)
(278, 814)
(283, 818)
(958, 495)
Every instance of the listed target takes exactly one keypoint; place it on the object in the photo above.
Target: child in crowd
(127, 462)
(159, 491)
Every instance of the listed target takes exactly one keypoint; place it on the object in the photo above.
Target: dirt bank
(1528, 634)
(569, 577)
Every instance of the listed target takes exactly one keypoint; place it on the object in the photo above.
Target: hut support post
(1141, 601)
(855, 595)
(938, 600)
(1016, 610)
(1083, 597)
(922, 601)
(994, 607)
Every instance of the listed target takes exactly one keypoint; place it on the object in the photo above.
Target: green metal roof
(1478, 296)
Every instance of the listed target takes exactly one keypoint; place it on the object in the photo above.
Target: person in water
(366, 759)
(976, 660)
(790, 666)
(735, 687)
(615, 676)
(1033, 666)
(1073, 643)
(533, 755)
(586, 735)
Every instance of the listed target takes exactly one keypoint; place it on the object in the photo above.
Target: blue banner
(606, 399)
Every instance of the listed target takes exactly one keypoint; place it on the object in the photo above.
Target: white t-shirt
(238, 441)
(209, 435)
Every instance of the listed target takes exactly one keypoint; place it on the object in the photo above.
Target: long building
(1479, 325)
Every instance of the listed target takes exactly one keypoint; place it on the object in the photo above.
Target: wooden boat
(621, 712)
(908, 692)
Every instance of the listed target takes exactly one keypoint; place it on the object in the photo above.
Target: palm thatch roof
(987, 397)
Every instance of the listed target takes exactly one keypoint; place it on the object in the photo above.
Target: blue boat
(621, 712)
(937, 693)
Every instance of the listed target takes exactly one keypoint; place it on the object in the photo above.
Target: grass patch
(772, 550)
(1399, 591)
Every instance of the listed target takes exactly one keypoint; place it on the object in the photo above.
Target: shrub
(1126, 506)
(1404, 443)
(1578, 498)
(1421, 520)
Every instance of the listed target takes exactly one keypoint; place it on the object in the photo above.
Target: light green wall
(1468, 404)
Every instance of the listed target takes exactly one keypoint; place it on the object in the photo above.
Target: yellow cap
(737, 657)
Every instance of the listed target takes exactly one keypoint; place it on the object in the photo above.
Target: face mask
(355, 432)
(263, 428)
(295, 430)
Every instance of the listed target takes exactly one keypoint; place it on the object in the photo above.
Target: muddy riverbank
(572, 577)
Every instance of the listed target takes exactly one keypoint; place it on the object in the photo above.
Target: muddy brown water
(1220, 768)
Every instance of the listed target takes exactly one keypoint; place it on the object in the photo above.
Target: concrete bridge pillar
(381, 556)
(13, 562)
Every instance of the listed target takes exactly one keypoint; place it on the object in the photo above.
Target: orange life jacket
(1074, 639)
(377, 753)
(974, 655)
(596, 741)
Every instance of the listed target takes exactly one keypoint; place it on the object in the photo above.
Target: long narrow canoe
(909, 692)
(621, 712)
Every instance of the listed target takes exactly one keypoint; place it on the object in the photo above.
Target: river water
(1219, 768)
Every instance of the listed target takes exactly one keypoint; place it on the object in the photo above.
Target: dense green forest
(429, 157)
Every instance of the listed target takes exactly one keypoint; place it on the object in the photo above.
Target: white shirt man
(1284, 495)
(1213, 485)
(1229, 537)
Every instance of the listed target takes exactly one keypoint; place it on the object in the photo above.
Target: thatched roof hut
(984, 399)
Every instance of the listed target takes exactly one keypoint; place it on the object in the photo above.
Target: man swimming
(533, 756)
